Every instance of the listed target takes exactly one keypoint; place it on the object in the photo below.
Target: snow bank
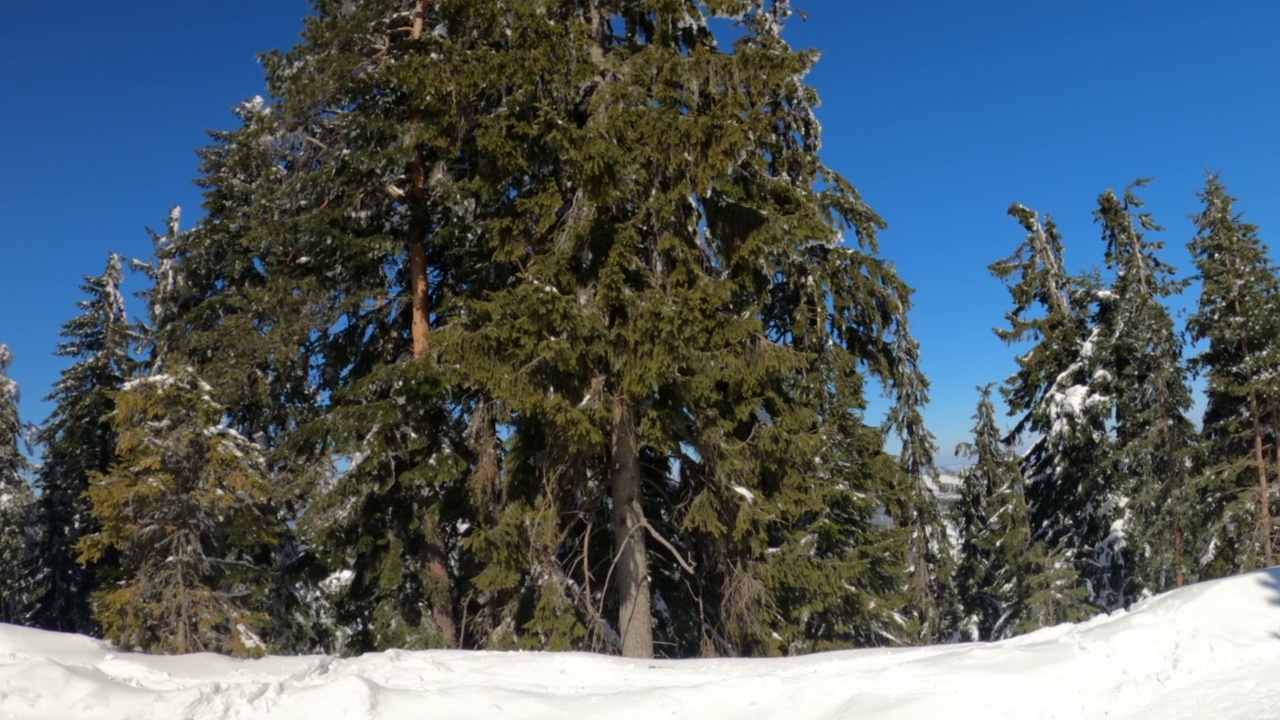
(1208, 651)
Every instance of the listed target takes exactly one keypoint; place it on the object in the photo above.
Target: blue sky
(940, 113)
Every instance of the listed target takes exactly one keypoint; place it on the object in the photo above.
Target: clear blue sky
(941, 113)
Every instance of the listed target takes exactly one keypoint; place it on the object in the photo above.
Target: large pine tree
(1238, 319)
(584, 338)
(1058, 397)
(78, 440)
(1147, 381)
(184, 511)
(683, 324)
(245, 323)
(378, 112)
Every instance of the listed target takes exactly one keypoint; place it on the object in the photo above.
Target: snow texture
(1208, 651)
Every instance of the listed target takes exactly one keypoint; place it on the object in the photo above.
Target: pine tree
(184, 511)
(991, 517)
(1057, 395)
(163, 295)
(78, 440)
(1007, 584)
(514, 232)
(16, 505)
(243, 324)
(1153, 437)
(934, 596)
(182, 508)
(1239, 317)
(378, 190)
(689, 448)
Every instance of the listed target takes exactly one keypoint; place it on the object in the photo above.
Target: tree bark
(635, 616)
(1264, 494)
(1178, 543)
(435, 555)
(418, 275)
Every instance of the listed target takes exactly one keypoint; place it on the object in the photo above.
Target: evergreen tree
(16, 505)
(513, 233)
(1058, 397)
(1153, 437)
(182, 508)
(378, 187)
(991, 516)
(1007, 584)
(78, 440)
(934, 596)
(686, 450)
(1238, 317)
(162, 296)
(244, 325)
(184, 511)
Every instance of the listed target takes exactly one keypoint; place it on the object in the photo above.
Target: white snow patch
(338, 581)
(1207, 651)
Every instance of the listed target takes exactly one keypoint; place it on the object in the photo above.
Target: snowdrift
(1208, 651)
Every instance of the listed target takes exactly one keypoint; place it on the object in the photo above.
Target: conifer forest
(541, 324)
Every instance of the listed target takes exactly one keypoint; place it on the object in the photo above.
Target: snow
(338, 581)
(1207, 651)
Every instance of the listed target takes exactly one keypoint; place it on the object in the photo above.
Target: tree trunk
(1264, 494)
(1178, 543)
(435, 555)
(635, 617)
(418, 276)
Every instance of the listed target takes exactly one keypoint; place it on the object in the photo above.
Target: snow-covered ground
(1208, 651)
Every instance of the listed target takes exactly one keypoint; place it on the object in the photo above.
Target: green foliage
(1059, 396)
(379, 516)
(991, 517)
(182, 510)
(1238, 322)
(1007, 584)
(651, 312)
(1154, 438)
(78, 440)
(1051, 590)
(683, 261)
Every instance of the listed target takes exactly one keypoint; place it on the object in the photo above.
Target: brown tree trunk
(1178, 543)
(435, 555)
(635, 617)
(418, 276)
(1264, 493)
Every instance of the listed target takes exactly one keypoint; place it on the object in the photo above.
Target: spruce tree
(684, 323)
(16, 505)
(78, 440)
(1148, 385)
(184, 511)
(1058, 397)
(1007, 584)
(994, 532)
(183, 508)
(1238, 319)
(935, 602)
(588, 343)
(245, 324)
(363, 220)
